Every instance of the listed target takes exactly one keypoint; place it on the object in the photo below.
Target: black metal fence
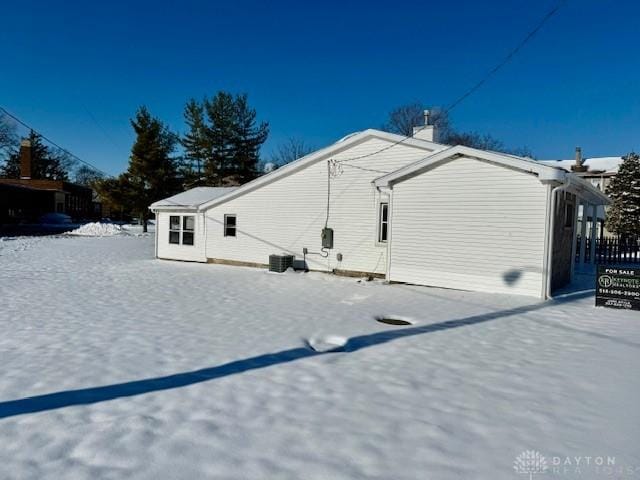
(611, 250)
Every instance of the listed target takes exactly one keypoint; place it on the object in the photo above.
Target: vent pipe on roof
(579, 165)
(427, 131)
(25, 159)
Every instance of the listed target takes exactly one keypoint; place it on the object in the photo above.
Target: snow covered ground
(116, 365)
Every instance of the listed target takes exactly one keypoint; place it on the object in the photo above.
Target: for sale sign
(618, 287)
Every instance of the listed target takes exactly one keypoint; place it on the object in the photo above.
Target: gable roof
(543, 172)
(341, 145)
(191, 199)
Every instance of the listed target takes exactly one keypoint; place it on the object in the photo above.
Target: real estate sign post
(618, 287)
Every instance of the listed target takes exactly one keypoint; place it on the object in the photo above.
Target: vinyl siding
(166, 250)
(471, 225)
(289, 214)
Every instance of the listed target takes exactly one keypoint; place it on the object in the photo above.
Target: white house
(406, 209)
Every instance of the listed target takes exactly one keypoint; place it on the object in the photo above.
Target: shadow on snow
(86, 396)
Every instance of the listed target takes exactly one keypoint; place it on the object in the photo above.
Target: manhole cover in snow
(394, 321)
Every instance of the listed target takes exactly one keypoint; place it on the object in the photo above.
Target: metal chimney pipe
(578, 157)
(427, 117)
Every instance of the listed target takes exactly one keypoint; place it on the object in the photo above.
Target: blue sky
(77, 71)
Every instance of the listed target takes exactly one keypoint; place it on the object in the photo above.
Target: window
(568, 214)
(182, 231)
(174, 229)
(383, 222)
(229, 225)
(188, 226)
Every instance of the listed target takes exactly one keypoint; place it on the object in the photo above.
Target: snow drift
(97, 229)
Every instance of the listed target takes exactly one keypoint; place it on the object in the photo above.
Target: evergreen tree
(623, 216)
(248, 138)
(224, 138)
(221, 114)
(152, 173)
(46, 163)
(115, 193)
(196, 144)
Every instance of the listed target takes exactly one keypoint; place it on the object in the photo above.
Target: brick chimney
(579, 166)
(427, 131)
(25, 159)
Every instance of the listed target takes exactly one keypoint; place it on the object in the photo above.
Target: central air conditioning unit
(280, 263)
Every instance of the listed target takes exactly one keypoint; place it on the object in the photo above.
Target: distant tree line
(221, 147)
(402, 119)
(47, 162)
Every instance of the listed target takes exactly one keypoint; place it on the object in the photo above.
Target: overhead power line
(101, 128)
(480, 83)
(508, 58)
(72, 155)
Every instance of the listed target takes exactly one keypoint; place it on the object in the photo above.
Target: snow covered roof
(192, 198)
(595, 164)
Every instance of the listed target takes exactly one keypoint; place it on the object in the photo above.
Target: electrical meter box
(327, 238)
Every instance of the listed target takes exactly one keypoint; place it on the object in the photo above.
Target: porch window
(569, 209)
(229, 225)
(181, 229)
(383, 222)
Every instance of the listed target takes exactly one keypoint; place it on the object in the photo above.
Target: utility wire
(364, 169)
(100, 127)
(3, 110)
(508, 58)
(480, 83)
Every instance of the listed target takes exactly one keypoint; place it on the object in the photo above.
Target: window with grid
(182, 229)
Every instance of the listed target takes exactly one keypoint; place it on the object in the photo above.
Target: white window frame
(234, 226)
(192, 231)
(181, 230)
(381, 222)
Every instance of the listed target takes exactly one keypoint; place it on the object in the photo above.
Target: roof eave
(181, 208)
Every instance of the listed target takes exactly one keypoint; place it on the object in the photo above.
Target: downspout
(389, 235)
(204, 232)
(157, 214)
(550, 237)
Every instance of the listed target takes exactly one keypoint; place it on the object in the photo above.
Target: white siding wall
(193, 253)
(470, 225)
(289, 214)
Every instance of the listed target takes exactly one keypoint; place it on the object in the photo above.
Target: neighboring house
(25, 199)
(599, 171)
(409, 210)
